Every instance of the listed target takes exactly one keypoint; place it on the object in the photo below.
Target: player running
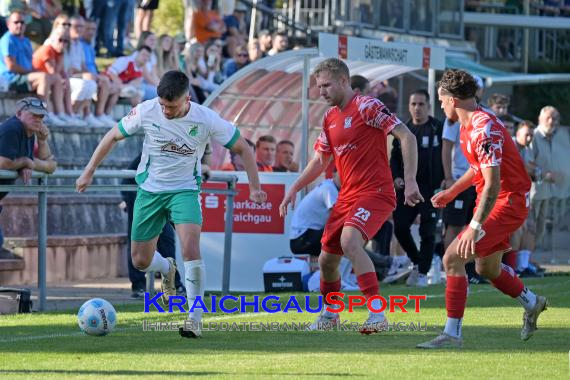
(502, 185)
(176, 133)
(354, 132)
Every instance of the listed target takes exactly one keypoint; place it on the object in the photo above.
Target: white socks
(195, 280)
(158, 264)
(527, 299)
(453, 327)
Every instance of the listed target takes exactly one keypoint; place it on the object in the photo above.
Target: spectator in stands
(522, 240)
(16, 67)
(428, 133)
(42, 12)
(213, 60)
(83, 82)
(279, 43)
(548, 151)
(143, 17)
(150, 70)
(284, 157)
(236, 33)
(360, 85)
(265, 41)
(236, 164)
(95, 10)
(240, 60)
(523, 138)
(195, 69)
(115, 19)
(166, 55)
(50, 59)
(17, 138)
(265, 153)
(499, 104)
(166, 244)
(254, 50)
(207, 22)
(127, 72)
(107, 92)
(180, 41)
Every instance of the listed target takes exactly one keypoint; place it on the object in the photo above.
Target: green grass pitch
(50, 345)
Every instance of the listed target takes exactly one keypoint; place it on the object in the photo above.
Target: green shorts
(153, 210)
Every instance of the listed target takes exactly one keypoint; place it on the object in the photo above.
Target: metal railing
(42, 188)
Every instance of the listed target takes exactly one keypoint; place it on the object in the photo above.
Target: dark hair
(458, 83)
(173, 85)
(144, 47)
(526, 123)
(265, 138)
(359, 82)
(142, 39)
(421, 91)
(334, 66)
(286, 142)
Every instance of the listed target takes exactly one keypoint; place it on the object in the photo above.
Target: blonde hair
(334, 66)
(166, 60)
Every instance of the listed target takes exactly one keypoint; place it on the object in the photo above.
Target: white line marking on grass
(121, 329)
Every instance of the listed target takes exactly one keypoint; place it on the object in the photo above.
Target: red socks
(510, 258)
(368, 284)
(508, 282)
(330, 287)
(456, 296)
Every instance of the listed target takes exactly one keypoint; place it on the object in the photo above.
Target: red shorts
(367, 214)
(507, 216)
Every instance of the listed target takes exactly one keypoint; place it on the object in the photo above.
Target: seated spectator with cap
(17, 138)
(265, 153)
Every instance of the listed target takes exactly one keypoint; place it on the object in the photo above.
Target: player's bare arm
(492, 177)
(105, 146)
(408, 143)
(244, 151)
(441, 199)
(313, 170)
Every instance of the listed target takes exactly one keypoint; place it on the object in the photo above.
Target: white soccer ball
(97, 317)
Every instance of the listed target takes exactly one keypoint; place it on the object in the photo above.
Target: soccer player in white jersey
(176, 133)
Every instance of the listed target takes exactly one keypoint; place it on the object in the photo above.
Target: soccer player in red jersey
(355, 131)
(503, 186)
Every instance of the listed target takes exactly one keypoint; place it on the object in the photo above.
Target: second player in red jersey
(354, 133)
(502, 185)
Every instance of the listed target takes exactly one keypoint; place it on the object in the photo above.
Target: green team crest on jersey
(193, 130)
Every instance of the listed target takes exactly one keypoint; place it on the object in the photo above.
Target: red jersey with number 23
(485, 143)
(357, 138)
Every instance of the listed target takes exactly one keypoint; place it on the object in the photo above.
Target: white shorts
(82, 89)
